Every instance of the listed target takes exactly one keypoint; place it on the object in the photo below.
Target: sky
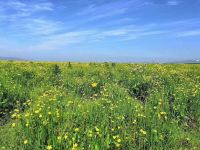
(100, 30)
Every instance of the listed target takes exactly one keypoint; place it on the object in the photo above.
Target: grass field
(99, 106)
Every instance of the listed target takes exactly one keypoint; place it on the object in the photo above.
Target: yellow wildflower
(134, 121)
(75, 146)
(27, 115)
(143, 131)
(14, 115)
(59, 137)
(16, 110)
(115, 137)
(25, 142)
(97, 129)
(37, 111)
(117, 145)
(14, 124)
(162, 115)
(76, 129)
(155, 131)
(49, 147)
(66, 136)
(94, 85)
(90, 133)
(119, 140)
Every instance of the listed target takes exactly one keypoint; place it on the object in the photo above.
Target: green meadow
(99, 106)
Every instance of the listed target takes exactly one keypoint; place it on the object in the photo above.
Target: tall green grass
(99, 106)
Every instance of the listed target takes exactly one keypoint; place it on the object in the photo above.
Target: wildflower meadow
(99, 106)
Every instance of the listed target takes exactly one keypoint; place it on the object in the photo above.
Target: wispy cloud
(189, 33)
(41, 26)
(124, 33)
(28, 20)
(138, 35)
(102, 11)
(25, 18)
(173, 2)
(162, 2)
(62, 40)
(15, 9)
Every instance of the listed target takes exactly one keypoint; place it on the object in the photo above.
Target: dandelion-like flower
(162, 115)
(16, 110)
(14, 124)
(65, 136)
(75, 146)
(59, 138)
(119, 140)
(97, 129)
(143, 132)
(94, 85)
(25, 142)
(37, 111)
(90, 133)
(49, 147)
(14, 115)
(76, 129)
(155, 131)
(117, 145)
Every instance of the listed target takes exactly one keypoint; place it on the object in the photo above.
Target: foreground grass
(99, 106)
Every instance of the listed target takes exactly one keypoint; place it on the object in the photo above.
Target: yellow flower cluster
(162, 115)
(75, 146)
(143, 132)
(94, 85)
(25, 142)
(117, 141)
(49, 147)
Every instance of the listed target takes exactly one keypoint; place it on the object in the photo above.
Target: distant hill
(11, 58)
(197, 61)
(187, 62)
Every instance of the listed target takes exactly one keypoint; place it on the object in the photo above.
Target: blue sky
(100, 30)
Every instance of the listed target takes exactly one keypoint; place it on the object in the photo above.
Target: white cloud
(45, 6)
(23, 21)
(122, 33)
(15, 4)
(137, 35)
(40, 27)
(173, 2)
(189, 33)
(18, 9)
(117, 32)
(102, 11)
(47, 34)
(61, 41)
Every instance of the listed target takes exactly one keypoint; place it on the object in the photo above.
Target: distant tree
(55, 77)
(113, 64)
(69, 65)
(56, 70)
(106, 64)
